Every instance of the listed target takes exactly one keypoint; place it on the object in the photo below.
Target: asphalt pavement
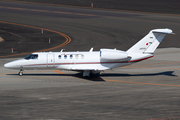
(148, 90)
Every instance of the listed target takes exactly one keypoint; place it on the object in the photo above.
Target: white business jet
(92, 61)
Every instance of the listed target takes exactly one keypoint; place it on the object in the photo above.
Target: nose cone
(10, 65)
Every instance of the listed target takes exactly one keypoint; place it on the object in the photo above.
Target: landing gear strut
(20, 73)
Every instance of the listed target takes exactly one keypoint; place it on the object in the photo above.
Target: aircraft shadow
(97, 78)
(167, 73)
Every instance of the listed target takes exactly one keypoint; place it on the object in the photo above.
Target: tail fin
(150, 42)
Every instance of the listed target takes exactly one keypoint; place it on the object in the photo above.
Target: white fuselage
(73, 61)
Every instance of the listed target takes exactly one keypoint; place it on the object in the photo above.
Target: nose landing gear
(20, 73)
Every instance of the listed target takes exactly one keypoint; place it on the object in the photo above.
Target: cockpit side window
(35, 57)
(31, 56)
(28, 57)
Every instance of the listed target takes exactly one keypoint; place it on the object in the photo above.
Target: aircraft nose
(10, 65)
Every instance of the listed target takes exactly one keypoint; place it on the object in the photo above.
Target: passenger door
(50, 60)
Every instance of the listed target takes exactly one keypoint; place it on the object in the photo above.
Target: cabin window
(82, 56)
(31, 56)
(76, 56)
(59, 56)
(71, 56)
(65, 56)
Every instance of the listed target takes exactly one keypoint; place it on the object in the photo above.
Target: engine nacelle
(112, 54)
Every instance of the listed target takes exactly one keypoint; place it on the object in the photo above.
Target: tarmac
(148, 90)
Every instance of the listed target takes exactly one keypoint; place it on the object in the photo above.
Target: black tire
(90, 75)
(20, 73)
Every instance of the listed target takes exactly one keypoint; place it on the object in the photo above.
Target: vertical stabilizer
(150, 42)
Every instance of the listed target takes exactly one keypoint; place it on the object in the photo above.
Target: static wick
(92, 4)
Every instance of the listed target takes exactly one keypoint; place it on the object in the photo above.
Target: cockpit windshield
(31, 56)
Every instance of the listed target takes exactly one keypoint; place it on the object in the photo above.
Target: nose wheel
(20, 73)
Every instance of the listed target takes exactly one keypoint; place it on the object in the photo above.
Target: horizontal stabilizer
(163, 31)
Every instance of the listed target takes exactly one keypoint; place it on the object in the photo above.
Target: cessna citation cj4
(92, 61)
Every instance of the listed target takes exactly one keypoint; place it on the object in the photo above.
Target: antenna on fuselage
(62, 50)
(91, 49)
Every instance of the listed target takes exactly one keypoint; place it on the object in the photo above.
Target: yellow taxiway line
(142, 83)
(59, 72)
(68, 39)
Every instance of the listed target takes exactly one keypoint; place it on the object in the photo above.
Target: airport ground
(155, 6)
(148, 90)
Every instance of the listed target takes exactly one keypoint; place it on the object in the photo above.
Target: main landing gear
(20, 73)
(90, 73)
(87, 73)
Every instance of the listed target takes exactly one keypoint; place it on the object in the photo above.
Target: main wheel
(90, 75)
